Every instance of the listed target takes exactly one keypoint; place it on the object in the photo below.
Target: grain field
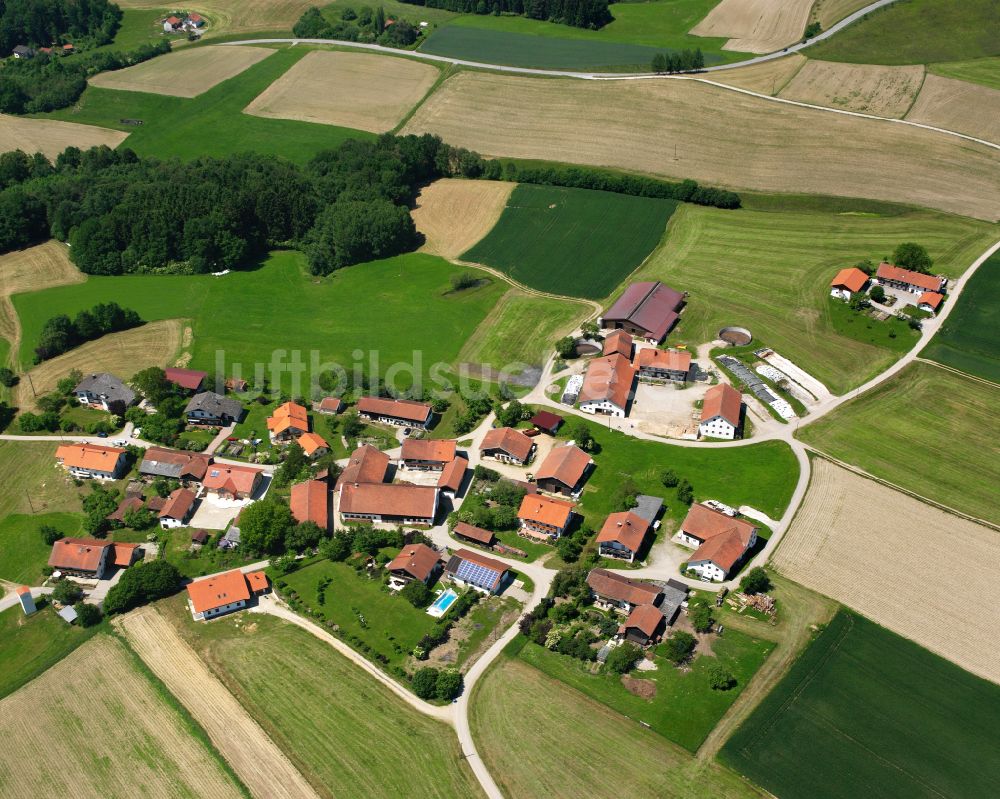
(866, 88)
(756, 26)
(92, 726)
(455, 214)
(238, 16)
(908, 566)
(958, 105)
(264, 768)
(51, 137)
(829, 12)
(688, 129)
(769, 77)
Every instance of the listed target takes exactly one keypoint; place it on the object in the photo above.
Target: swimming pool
(442, 603)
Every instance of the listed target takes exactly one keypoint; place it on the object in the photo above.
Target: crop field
(184, 74)
(345, 732)
(353, 90)
(51, 137)
(865, 712)
(454, 214)
(689, 129)
(957, 105)
(235, 314)
(769, 77)
(32, 483)
(104, 729)
(523, 721)
(968, 340)
(31, 644)
(124, 354)
(917, 32)
(22, 551)
(870, 89)
(790, 248)
(984, 71)
(756, 26)
(255, 758)
(927, 430)
(934, 555)
(227, 17)
(575, 242)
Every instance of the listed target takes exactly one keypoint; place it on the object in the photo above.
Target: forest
(592, 14)
(60, 333)
(42, 23)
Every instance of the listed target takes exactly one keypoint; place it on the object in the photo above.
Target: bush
(701, 617)
(449, 684)
(669, 478)
(50, 534)
(720, 678)
(685, 492)
(67, 592)
(142, 583)
(566, 347)
(87, 615)
(464, 280)
(910, 255)
(755, 581)
(678, 647)
(622, 658)
(569, 549)
(425, 682)
(7, 377)
(877, 294)
(416, 593)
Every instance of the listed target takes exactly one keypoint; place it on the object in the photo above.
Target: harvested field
(262, 766)
(870, 89)
(828, 12)
(124, 354)
(354, 90)
(957, 105)
(721, 137)
(51, 137)
(230, 16)
(455, 214)
(184, 74)
(770, 77)
(756, 26)
(93, 725)
(939, 564)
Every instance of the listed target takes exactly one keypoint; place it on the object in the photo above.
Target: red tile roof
(546, 420)
(608, 379)
(725, 538)
(257, 581)
(621, 589)
(312, 442)
(288, 415)
(649, 306)
(416, 560)
(722, 400)
(331, 404)
(918, 279)
(122, 553)
(645, 618)
(543, 510)
(214, 592)
(178, 504)
(474, 533)
(185, 378)
(627, 528)
(931, 298)
(618, 342)
(567, 464)
(386, 499)
(77, 554)
(127, 504)
(674, 360)
(309, 503)
(513, 442)
(852, 279)
(453, 474)
(232, 479)
(89, 456)
(428, 449)
(397, 409)
(367, 464)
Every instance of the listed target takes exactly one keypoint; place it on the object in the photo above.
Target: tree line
(48, 22)
(60, 333)
(364, 25)
(591, 14)
(678, 61)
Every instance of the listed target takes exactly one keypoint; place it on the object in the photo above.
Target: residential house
(310, 502)
(23, 51)
(233, 482)
(847, 282)
(452, 476)
(544, 518)
(91, 558)
(175, 464)
(647, 310)
(427, 454)
(477, 535)
(414, 562)
(171, 23)
(507, 445)
(313, 445)
(607, 386)
(614, 591)
(675, 594)
(177, 510)
(401, 413)
(623, 536)
(388, 503)
(930, 301)
(563, 471)
(92, 461)
(68, 48)
(720, 412)
(663, 366)
(547, 422)
(721, 541)
(466, 567)
(104, 391)
(289, 420)
(209, 408)
(618, 343)
(224, 593)
(185, 379)
(367, 464)
(329, 406)
(196, 19)
(644, 626)
(907, 280)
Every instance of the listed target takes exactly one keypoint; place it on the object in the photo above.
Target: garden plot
(50, 137)
(756, 26)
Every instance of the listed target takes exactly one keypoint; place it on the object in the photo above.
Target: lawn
(541, 739)
(866, 712)
(970, 338)
(31, 481)
(196, 563)
(928, 430)
(685, 708)
(22, 551)
(245, 320)
(347, 734)
(211, 124)
(576, 242)
(917, 32)
(985, 71)
(768, 266)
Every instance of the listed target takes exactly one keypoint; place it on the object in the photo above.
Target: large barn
(648, 310)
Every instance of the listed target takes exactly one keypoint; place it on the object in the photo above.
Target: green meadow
(985, 71)
(22, 551)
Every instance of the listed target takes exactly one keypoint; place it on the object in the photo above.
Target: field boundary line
(959, 372)
(527, 289)
(916, 95)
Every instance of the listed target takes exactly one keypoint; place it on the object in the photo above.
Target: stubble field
(769, 77)
(454, 214)
(869, 89)
(51, 137)
(827, 12)
(229, 16)
(756, 26)
(957, 105)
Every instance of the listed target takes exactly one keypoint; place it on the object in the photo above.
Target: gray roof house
(208, 407)
(647, 507)
(674, 595)
(105, 391)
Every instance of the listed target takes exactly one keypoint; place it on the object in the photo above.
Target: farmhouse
(289, 420)
(547, 422)
(647, 310)
(104, 391)
(613, 591)
(452, 475)
(210, 408)
(507, 445)
(427, 454)
(618, 343)
(663, 366)
(847, 282)
(720, 412)
(185, 379)
(475, 534)
(313, 444)
(310, 502)
(542, 517)
(644, 625)
(466, 567)
(721, 541)
(366, 465)
(329, 406)
(92, 460)
(90, 557)
(177, 509)
(388, 503)
(414, 562)
(233, 482)
(564, 470)
(622, 536)
(224, 593)
(607, 386)
(402, 413)
(930, 301)
(160, 462)
(913, 282)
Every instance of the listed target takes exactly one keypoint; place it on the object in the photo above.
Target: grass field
(917, 32)
(31, 644)
(454, 214)
(22, 551)
(51, 137)
(958, 105)
(935, 556)
(354, 90)
(757, 26)
(237, 315)
(688, 129)
(867, 88)
(768, 267)
(211, 124)
(928, 430)
(105, 730)
(576, 242)
(968, 338)
(525, 723)
(985, 71)
(31, 482)
(864, 711)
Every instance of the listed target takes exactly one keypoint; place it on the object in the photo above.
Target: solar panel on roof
(476, 574)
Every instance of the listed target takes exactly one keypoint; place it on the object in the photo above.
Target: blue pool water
(442, 603)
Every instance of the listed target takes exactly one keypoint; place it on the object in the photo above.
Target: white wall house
(602, 406)
(211, 613)
(717, 427)
(706, 570)
(840, 293)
